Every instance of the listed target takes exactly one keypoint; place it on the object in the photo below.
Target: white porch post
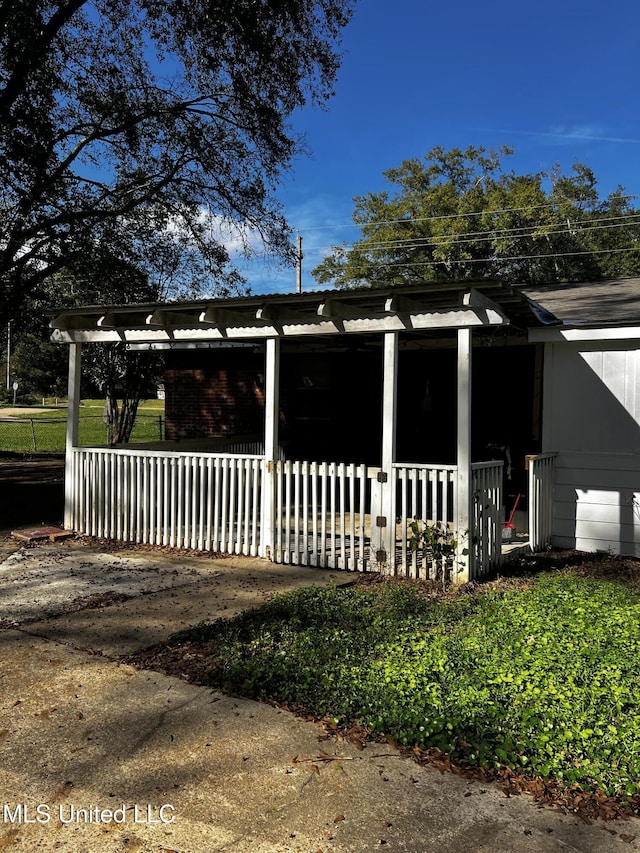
(271, 412)
(73, 409)
(387, 534)
(464, 505)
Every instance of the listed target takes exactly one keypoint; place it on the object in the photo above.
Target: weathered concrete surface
(165, 592)
(79, 730)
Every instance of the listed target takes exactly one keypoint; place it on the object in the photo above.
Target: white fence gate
(323, 514)
(488, 516)
(425, 494)
(327, 514)
(541, 481)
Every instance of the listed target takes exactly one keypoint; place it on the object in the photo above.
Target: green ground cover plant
(543, 678)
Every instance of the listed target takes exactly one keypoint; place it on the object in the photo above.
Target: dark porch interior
(331, 399)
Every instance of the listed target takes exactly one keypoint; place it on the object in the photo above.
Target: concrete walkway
(95, 755)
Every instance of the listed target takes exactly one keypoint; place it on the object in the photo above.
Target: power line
(627, 219)
(554, 226)
(632, 218)
(443, 216)
(501, 259)
(504, 233)
(487, 236)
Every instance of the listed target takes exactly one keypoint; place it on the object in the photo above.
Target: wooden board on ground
(33, 534)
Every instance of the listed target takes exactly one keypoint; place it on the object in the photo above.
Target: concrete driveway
(96, 755)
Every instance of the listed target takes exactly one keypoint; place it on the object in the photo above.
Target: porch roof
(410, 308)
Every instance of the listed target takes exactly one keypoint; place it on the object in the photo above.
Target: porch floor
(511, 550)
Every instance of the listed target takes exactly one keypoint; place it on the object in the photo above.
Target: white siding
(592, 418)
(592, 400)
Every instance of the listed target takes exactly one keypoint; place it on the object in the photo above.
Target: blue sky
(558, 80)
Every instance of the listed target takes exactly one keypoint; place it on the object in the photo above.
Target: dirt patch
(27, 470)
(519, 574)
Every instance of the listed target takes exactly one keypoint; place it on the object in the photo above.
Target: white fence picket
(423, 495)
(322, 512)
(426, 494)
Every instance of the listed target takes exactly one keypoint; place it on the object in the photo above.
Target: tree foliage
(463, 215)
(108, 370)
(152, 126)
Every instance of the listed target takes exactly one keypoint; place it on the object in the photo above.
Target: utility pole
(8, 355)
(299, 266)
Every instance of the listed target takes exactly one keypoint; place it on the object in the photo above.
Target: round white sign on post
(15, 386)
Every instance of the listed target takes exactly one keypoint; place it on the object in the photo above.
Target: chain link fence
(48, 435)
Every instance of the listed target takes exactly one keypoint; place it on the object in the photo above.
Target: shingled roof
(612, 302)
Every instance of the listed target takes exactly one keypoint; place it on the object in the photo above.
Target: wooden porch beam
(214, 323)
(225, 317)
(475, 299)
(333, 309)
(120, 321)
(279, 314)
(266, 312)
(405, 305)
(271, 445)
(173, 319)
(387, 533)
(68, 322)
(73, 420)
(272, 397)
(464, 496)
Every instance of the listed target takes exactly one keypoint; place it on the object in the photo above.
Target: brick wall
(330, 403)
(211, 393)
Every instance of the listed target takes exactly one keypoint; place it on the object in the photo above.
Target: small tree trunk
(111, 416)
(125, 377)
(127, 419)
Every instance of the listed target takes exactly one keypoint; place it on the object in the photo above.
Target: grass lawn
(539, 674)
(45, 432)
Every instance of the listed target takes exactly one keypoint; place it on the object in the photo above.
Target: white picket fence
(184, 500)
(323, 512)
(541, 481)
(424, 494)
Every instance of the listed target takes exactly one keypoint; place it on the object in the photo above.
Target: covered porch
(429, 520)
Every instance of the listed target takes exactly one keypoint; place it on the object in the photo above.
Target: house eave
(577, 334)
(293, 315)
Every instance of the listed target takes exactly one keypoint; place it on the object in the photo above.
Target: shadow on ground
(31, 490)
